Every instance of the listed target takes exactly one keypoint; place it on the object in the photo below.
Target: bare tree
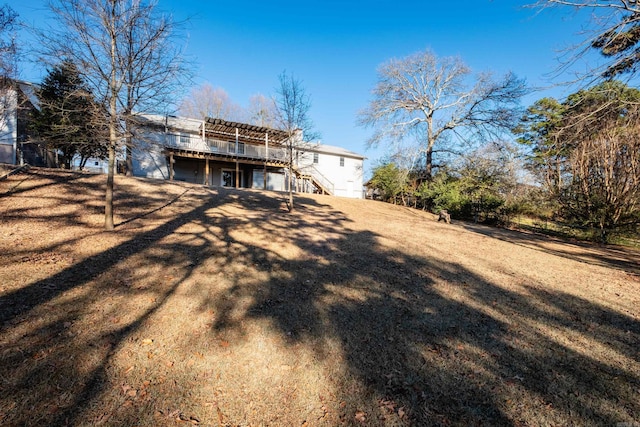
(293, 116)
(151, 66)
(429, 99)
(8, 48)
(8, 53)
(262, 111)
(614, 31)
(126, 53)
(208, 101)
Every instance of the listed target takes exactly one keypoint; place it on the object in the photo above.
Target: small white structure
(17, 102)
(9, 125)
(230, 154)
(17, 99)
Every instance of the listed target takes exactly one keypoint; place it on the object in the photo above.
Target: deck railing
(194, 143)
(319, 178)
(242, 150)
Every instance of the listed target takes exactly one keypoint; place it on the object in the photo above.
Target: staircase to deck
(322, 184)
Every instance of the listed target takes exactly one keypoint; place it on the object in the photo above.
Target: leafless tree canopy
(262, 111)
(126, 53)
(437, 102)
(208, 101)
(293, 116)
(8, 48)
(614, 31)
(8, 53)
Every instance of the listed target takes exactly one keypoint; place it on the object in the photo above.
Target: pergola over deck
(243, 132)
(256, 142)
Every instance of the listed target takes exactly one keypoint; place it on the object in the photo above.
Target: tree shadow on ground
(626, 259)
(22, 181)
(414, 339)
(51, 369)
(432, 343)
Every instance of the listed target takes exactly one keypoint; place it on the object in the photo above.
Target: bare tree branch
(293, 116)
(428, 97)
(208, 101)
(127, 55)
(613, 31)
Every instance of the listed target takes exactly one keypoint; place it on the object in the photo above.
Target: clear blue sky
(335, 46)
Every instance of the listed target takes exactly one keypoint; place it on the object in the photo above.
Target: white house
(230, 154)
(17, 101)
(337, 169)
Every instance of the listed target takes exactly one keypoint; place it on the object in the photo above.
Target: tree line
(463, 143)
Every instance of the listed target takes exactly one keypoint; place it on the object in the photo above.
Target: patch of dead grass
(217, 307)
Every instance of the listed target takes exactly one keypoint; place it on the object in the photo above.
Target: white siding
(346, 180)
(8, 126)
(148, 159)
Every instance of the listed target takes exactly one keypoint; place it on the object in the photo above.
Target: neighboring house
(93, 164)
(230, 154)
(17, 101)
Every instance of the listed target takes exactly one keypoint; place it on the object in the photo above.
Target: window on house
(315, 158)
(341, 161)
(184, 139)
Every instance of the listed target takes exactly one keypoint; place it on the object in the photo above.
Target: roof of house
(226, 130)
(332, 149)
(29, 91)
(217, 128)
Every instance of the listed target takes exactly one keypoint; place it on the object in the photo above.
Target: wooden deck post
(266, 157)
(171, 160)
(237, 162)
(206, 171)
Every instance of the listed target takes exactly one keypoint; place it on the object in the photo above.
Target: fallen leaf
(147, 341)
(360, 416)
(192, 420)
(220, 416)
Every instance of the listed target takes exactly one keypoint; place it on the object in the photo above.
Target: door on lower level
(229, 178)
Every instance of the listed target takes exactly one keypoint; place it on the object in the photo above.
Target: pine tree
(69, 120)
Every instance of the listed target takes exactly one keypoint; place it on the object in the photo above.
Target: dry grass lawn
(217, 307)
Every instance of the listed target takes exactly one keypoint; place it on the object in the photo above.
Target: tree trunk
(290, 177)
(428, 172)
(108, 205)
(129, 165)
(113, 132)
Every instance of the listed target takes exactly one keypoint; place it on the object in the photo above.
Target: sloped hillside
(218, 307)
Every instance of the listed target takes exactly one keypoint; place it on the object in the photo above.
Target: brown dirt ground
(218, 307)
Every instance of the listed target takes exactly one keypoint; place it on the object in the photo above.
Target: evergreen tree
(69, 120)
